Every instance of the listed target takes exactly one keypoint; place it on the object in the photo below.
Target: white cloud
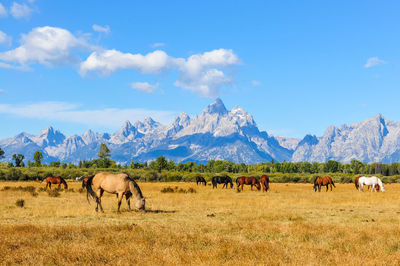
(2, 91)
(4, 38)
(67, 112)
(158, 44)
(47, 46)
(109, 61)
(106, 29)
(3, 11)
(374, 61)
(144, 87)
(200, 73)
(255, 83)
(20, 11)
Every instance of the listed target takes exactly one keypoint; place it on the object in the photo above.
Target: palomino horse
(252, 181)
(57, 180)
(200, 179)
(370, 181)
(120, 184)
(323, 181)
(356, 183)
(222, 180)
(265, 182)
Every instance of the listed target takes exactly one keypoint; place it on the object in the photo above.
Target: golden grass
(289, 225)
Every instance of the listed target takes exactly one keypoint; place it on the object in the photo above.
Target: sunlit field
(291, 224)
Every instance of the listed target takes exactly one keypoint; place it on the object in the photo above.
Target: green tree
(161, 163)
(38, 157)
(18, 160)
(104, 156)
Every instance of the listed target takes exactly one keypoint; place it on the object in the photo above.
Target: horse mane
(315, 180)
(135, 185)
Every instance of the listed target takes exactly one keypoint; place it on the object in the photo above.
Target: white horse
(370, 181)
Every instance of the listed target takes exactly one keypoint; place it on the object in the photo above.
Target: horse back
(112, 183)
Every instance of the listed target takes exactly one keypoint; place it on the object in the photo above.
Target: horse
(323, 181)
(84, 181)
(120, 184)
(200, 179)
(252, 181)
(57, 180)
(356, 183)
(222, 180)
(370, 181)
(265, 182)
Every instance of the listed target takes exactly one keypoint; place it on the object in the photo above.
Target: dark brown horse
(84, 181)
(251, 180)
(323, 181)
(200, 179)
(265, 182)
(357, 184)
(56, 180)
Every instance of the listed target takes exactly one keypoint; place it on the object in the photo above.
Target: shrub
(34, 194)
(20, 203)
(53, 193)
(167, 190)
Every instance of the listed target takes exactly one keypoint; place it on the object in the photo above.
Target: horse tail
(89, 189)
(83, 183)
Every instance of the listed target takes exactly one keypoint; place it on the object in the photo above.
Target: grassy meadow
(291, 224)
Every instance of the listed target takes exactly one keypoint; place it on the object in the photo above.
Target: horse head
(141, 204)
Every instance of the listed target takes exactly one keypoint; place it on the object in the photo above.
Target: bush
(167, 190)
(53, 193)
(20, 203)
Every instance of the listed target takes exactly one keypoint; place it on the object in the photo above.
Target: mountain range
(215, 134)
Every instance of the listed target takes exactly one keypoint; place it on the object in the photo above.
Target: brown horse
(200, 179)
(265, 182)
(357, 184)
(84, 181)
(252, 181)
(57, 180)
(120, 184)
(323, 181)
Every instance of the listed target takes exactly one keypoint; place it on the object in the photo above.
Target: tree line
(214, 166)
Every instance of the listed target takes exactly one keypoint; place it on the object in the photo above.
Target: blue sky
(296, 66)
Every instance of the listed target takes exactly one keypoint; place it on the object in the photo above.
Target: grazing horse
(200, 179)
(265, 182)
(56, 180)
(222, 180)
(84, 181)
(357, 184)
(252, 181)
(323, 181)
(120, 184)
(370, 181)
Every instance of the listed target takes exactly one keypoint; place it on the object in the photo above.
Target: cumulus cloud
(47, 46)
(4, 38)
(201, 73)
(106, 29)
(20, 11)
(108, 61)
(374, 61)
(67, 112)
(144, 87)
(3, 11)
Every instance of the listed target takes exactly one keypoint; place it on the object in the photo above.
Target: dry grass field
(289, 225)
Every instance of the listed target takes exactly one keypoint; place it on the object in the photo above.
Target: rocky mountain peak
(217, 107)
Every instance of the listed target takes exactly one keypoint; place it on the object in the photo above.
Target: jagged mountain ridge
(215, 134)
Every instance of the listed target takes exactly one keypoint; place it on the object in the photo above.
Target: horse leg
(242, 186)
(128, 201)
(98, 199)
(120, 196)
